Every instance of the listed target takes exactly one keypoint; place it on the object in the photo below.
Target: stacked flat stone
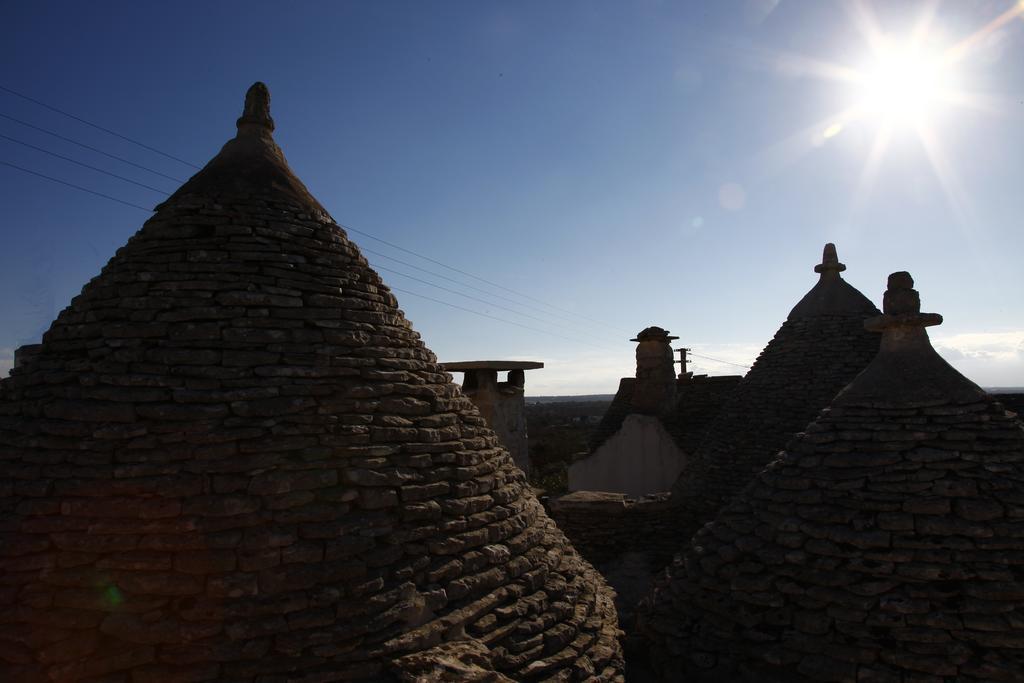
(699, 399)
(885, 544)
(233, 459)
(1014, 402)
(819, 349)
(603, 526)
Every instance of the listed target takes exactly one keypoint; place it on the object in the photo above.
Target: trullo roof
(819, 349)
(234, 459)
(885, 544)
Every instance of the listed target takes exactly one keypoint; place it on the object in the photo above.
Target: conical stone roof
(233, 459)
(819, 349)
(885, 544)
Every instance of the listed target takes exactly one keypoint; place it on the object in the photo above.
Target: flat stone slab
(500, 365)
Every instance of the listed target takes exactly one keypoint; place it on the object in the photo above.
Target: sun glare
(904, 84)
(906, 87)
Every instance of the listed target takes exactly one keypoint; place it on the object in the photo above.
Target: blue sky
(625, 163)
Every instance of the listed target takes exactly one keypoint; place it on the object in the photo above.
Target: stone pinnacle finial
(653, 333)
(907, 369)
(257, 108)
(829, 261)
(900, 296)
(901, 306)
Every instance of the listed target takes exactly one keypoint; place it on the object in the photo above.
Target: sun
(904, 84)
(907, 88)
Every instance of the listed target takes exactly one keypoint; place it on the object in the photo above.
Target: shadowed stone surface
(463, 660)
(233, 459)
(819, 349)
(697, 401)
(654, 422)
(655, 387)
(502, 404)
(1013, 402)
(641, 449)
(885, 544)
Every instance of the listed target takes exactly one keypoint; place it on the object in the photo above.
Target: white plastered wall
(638, 459)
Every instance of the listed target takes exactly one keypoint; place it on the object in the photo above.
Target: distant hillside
(583, 398)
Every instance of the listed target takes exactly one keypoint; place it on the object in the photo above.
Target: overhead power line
(453, 269)
(84, 165)
(449, 279)
(77, 187)
(475, 277)
(492, 317)
(489, 293)
(719, 360)
(468, 310)
(396, 289)
(452, 291)
(352, 229)
(90, 148)
(404, 291)
(96, 126)
(468, 296)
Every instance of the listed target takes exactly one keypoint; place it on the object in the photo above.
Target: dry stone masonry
(686, 410)
(819, 349)
(1012, 401)
(502, 404)
(700, 398)
(233, 459)
(627, 539)
(885, 544)
(655, 386)
(653, 423)
(619, 514)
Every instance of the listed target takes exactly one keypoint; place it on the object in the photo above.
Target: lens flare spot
(113, 595)
(832, 131)
(732, 197)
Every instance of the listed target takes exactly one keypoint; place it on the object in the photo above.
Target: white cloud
(586, 372)
(996, 346)
(599, 372)
(723, 359)
(6, 360)
(991, 359)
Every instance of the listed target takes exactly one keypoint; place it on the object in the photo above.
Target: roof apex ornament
(653, 333)
(901, 306)
(257, 108)
(829, 261)
(831, 295)
(907, 369)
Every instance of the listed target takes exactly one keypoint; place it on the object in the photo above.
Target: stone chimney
(502, 404)
(655, 386)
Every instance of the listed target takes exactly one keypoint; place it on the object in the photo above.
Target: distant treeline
(583, 398)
